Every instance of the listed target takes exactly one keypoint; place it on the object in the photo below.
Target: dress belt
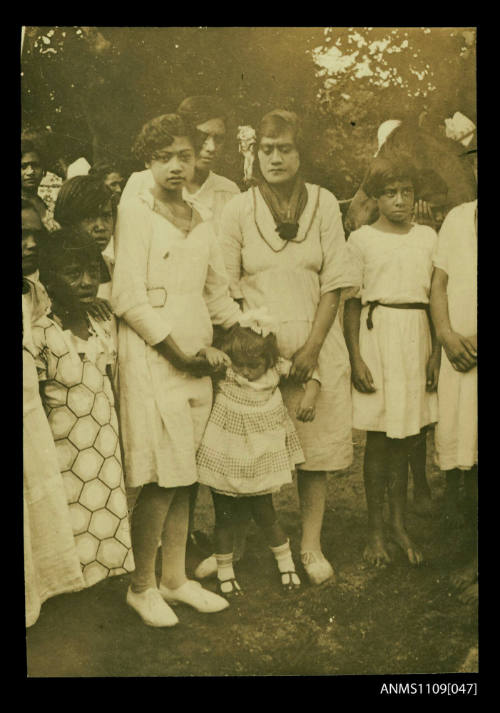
(401, 305)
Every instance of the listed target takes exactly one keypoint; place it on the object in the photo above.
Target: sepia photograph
(249, 353)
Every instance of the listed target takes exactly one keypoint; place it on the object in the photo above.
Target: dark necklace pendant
(287, 231)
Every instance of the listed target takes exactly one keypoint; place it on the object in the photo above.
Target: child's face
(114, 181)
(396, 201)
(252, 369)
(31, 230)
(173, 166)
(99, 227)
(76, 283)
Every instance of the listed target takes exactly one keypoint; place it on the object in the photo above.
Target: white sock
(224, 566)
(283, 557)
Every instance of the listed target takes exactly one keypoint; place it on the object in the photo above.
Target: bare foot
(470, 594)
(376, 552)
(400, 536)
(465, 576)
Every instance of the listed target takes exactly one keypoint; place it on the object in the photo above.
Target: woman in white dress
(169, 285)
(284, 248)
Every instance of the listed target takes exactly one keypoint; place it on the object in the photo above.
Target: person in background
(454, 312)
(394, 354)
(85, 206)
(111, 175)
(32, 171)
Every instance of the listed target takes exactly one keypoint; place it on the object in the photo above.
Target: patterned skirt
(250, 445)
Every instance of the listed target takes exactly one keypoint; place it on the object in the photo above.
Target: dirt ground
(398, 620)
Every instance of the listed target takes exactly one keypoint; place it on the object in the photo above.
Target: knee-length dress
(164, 283)
(250, 445)
(290, 278)
(51, 562)
(394, 269)
(78, 399)
(456, 254)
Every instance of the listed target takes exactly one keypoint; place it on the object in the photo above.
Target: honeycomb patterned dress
(78, 399)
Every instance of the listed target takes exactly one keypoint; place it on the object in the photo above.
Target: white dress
(290, 278)
(456, 254)
(164, 283)
(394, 269)
(209, 200)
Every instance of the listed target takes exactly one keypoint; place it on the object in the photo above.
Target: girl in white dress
(394, 360)
(250, 445)
(168, 285)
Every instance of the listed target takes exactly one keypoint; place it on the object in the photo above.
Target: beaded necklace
(285, 242)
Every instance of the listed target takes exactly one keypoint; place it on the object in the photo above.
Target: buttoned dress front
(164, 283)
(290, 279)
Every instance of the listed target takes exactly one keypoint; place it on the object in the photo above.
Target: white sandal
(317, 567)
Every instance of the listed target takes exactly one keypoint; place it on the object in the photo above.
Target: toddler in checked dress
(250, 445)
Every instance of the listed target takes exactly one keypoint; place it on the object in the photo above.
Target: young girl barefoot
(394, 361)
(250, 445)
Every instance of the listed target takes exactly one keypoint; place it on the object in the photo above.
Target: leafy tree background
(95, 86)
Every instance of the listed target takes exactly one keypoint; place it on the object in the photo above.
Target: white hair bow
(258, 320)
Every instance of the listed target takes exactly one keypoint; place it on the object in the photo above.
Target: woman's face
(76, 283)
(99, 227)
(279, 159)
(212, 134)
(31, 171)
(173, 166)
(396, 202)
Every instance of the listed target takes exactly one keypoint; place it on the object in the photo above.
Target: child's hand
(100, 310)
(461, 351)
(362, 378)
(432, 371)
(218, 360)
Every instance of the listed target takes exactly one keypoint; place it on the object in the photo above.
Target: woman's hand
(361, 377)
(100, 310)
(461, 351)
(218, 360)
(304, 362)
(432, 370)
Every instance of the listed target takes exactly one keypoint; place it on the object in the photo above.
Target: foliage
(95, 86)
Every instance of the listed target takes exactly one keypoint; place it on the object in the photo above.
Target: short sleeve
(129, 297)
(231, 241)
(356, 258)
(337, 270)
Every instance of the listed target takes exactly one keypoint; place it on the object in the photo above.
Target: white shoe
(207, 568)
(192, 593)
(318, 568)
(152, 608)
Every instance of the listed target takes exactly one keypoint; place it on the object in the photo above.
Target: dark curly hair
(31, 142)
(199, 109)
(383, 171)
(242, 344)
(158, 133)
(79, 198)
(63, 246)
